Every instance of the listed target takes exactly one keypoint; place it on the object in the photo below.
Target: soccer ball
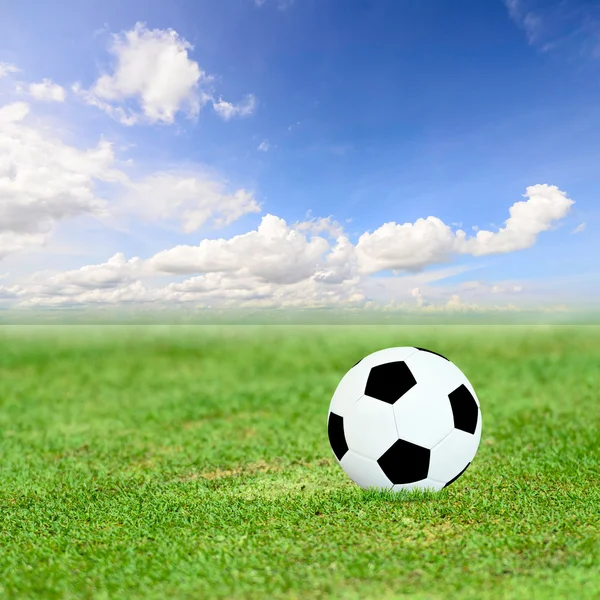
(404, 418)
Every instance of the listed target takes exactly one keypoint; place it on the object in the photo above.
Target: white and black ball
(404, 418)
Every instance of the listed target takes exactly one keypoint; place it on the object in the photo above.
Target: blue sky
(368, 112)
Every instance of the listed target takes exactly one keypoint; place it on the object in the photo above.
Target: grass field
(194, 463)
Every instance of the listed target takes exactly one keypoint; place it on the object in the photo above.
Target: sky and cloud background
(422, 156)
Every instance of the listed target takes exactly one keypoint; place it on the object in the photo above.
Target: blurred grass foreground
(193, 462)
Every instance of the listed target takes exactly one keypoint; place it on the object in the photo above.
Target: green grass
(194, 463)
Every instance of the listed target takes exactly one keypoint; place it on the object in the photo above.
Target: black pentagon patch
(389, 382)
(457, 476)
(464, 409)
(337, 438)
(405, 462)
(431, 352)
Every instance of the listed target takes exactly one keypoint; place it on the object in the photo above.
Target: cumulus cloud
(418, 296)
(152, 67)
(153, 79)
(274, 266)
(116, 272)
(221, 290)
(308, 263)
(43, 181)
(135, 292)
(120, 282)
(317, 253)
(316, 225)
(193, 199)
(5, 293)
(11, 242)
(227, 110)
(125, 116)
(273, 253)
(545, 205)
(339, 264)
(413, 246)
(47, 91)
(229, 289)
(13, 113)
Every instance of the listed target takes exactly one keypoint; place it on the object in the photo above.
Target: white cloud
(242, 290)
(499, 289)
(6, 69)
(273, 253)
(43, 181)
(235, 277)
(320, 225)
(47, 91)
(119, 282)
(381, 289)
(413, 246)
(125, 116)
(340, 263)
(208, 291)
(579, 228)
(114, 273)
(455, 304)
(481, 287)
(264, 146)
(416, 293)
(9, 292)
(153, 68)
(13, 113)
(193, 199)
(153, 79)
(274, 266)
(545, 204)
(135, 292)
(227, 110)
(266, 267)
(11, 241)
(310, 263)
